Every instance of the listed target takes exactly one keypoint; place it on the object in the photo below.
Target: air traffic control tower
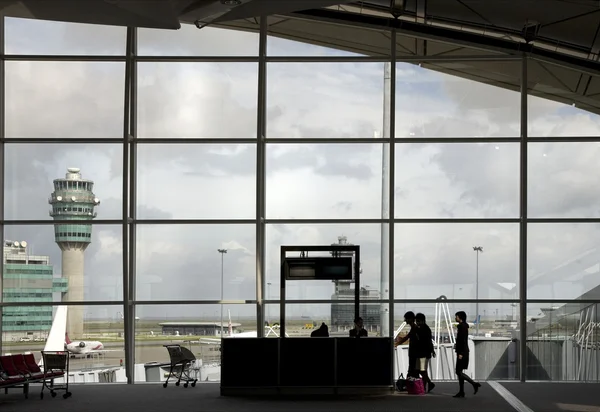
(73, 201)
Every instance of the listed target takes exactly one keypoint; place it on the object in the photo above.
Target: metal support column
(357, 283)
(2, 136)
(261, 179)
(384, 287)
(128, 207)
(523, 228)
(392, 191)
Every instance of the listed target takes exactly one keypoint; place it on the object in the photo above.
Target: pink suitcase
(415, 387)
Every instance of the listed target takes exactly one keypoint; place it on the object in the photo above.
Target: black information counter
(261, 366)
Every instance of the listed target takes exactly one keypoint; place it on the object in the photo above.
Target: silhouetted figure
(322, 332)
(413, 344)
(358, 331)
(462, 354)
(425, 349)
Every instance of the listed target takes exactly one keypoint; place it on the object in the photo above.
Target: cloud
(307, 181)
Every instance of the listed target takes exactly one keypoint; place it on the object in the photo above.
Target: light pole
(477, 249)
(222, 252)
(268, 297)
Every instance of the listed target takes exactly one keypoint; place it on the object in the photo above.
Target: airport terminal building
(28, 278)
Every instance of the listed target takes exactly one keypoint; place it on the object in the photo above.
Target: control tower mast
(73, 200)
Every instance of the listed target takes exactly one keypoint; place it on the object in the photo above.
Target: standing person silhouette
(462, 354)
(425, 350)
(413, 344)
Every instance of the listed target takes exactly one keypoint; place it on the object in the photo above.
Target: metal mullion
(193, 221)
(64, 58)
(58, 303)
(458, 220)
(35, 222)
(327, 59)
(523, 225)
(196, 140)
(392, 189)
(565, 301)
(2, 155)
(401, 140)
(534, 220)
(326, 140)
(426, 140)
(564, 139)
(127, 318)
(131, 138)
(196, 302)
(261, 128)
(63, 140)
(197, 59)
(323, 221)
(395, 301)
(402, 301)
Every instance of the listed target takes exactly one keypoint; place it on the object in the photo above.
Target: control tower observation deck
(73, 200)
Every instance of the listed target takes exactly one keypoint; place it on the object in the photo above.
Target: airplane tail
(67, 340)
(58, 331)
(229, 326)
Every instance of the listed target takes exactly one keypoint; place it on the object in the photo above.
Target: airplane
(83, 347)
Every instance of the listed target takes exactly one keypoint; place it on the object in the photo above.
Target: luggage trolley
(181, 358)
(55, 364)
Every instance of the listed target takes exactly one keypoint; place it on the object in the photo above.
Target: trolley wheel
(185, 385)
(164, 385)
(193, 384)
(53, 394)
(176, 383)
(67, 395)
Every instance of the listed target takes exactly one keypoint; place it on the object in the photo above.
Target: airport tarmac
(149, 352)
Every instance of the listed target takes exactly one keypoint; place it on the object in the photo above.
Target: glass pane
(439, 259)
(195, 327)
(298, 37)
(562, 341)
(324, 100)
(562, 180)
(97, 347)
(189, 41)
(197, 99)
(367, 236)
(42, 37)
(169, 173)
(78, 262)
(493, 349)
(553, 119)
(183, 262)
(324, 181)
(569, 118)
(64, 99)
(442, 101)
(88, 179)
(457, 180)
(562, 261)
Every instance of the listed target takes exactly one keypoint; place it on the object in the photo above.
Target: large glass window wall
(201, 152)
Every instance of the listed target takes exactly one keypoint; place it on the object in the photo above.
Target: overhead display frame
(338, 266)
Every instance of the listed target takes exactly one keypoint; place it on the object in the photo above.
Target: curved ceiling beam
(442, 34)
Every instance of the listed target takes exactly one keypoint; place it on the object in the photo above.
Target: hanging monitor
(318, 268)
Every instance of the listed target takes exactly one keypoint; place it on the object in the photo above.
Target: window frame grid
(130, 141)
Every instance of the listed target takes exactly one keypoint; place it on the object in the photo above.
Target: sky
(304, 181)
